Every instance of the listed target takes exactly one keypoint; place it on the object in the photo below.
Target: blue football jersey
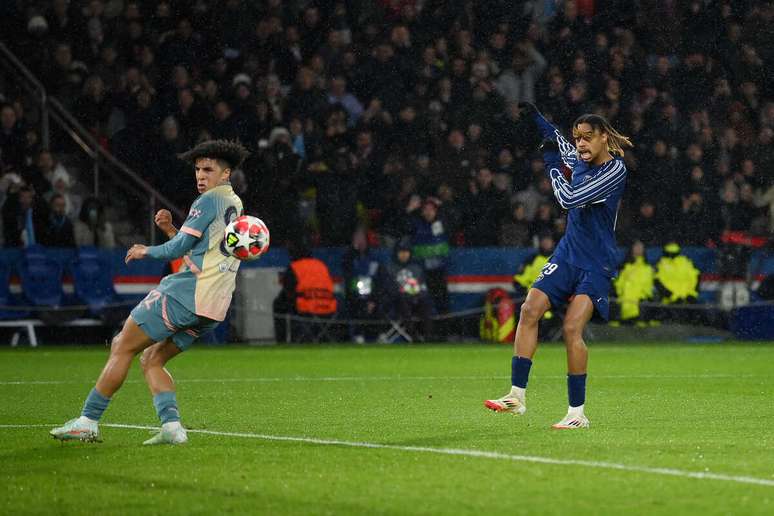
(592, 197)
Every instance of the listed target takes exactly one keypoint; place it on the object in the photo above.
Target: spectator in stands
(338, 94)
(427, 62)
(39, 175)
(274, 191)
(62, 184)
(360, 266)
(430, 247)
(58, 231)
(332, 168)
(402, 285)
(484, 208)
(24, 216)
(92, 227)
(517, 83)
(696, 224)
(647, 226)
(12, 141)
(543, 222)
(515, 230)
(733, 214)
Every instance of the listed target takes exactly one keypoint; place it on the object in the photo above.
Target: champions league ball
(246, 238)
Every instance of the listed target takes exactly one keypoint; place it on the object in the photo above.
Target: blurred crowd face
(456, 139)
(338, 86)
(58, 206)
(429, 211)
(484, 178)
(63, 56)
(45, 162)
(26, 198)
(638, 249)
(7, 118)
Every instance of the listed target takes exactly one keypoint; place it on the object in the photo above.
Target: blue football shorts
(161, 316)
(560, 281)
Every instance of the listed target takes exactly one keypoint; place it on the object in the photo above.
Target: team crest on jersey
(194, 213)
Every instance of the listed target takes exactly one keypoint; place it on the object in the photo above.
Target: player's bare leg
(579, 313)
(532, 310)
(524, 347)
(162, 388)
(130, 341)
(153, 360)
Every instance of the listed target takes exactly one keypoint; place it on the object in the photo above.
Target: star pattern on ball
(244, 240)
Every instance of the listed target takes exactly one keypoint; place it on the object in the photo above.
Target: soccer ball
(246, 238)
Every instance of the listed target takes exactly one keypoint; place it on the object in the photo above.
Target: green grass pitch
(675, 429)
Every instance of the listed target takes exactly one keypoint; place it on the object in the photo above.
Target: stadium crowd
(376, 111)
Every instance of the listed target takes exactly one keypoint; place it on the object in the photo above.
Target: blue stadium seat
(41, 278)
(6, 298)
(93, 279)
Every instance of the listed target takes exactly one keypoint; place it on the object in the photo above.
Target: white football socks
(172, 426)
(575, 411)
(518, 392)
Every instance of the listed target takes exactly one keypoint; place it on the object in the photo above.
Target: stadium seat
(6, 299)
(93, 280)
(41, 278)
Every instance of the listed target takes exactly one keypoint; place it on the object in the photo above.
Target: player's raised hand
(136, 252)
(163, 220)
(528, 109)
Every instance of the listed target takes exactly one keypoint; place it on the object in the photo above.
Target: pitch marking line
(385, 378)
(699, 475)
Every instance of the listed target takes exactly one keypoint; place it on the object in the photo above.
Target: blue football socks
(166, 406)
(520, 371)
(576, 389)
(94, 405)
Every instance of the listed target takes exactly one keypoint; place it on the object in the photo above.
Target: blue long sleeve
(594, 187)
(174, 248)
(567, 150)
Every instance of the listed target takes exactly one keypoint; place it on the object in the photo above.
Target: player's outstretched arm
(605, 181)
(176, 247)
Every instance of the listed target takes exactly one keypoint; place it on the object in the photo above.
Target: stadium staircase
(129, 200)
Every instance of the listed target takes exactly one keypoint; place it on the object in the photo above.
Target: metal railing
(101, 159)
(30, 83)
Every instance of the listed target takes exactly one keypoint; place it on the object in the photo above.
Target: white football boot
(572, 422)
(78, 429)
(508, 403)
(171, 433)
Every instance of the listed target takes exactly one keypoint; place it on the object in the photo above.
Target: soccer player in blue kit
(183, 306)
(579, 273)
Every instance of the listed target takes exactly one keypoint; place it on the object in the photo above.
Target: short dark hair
(232, 153)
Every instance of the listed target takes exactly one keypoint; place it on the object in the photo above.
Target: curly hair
(230, 153)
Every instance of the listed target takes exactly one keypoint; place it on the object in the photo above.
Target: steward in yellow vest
(677, 278)
(634, 283)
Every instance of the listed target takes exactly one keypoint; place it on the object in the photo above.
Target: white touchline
(700, 475)
(268, 379)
